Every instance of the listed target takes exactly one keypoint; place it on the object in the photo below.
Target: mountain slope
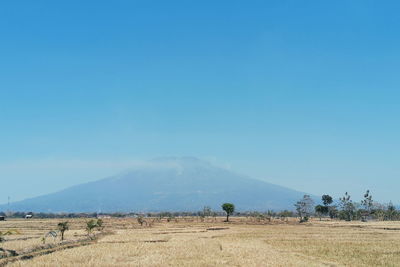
(168, 184)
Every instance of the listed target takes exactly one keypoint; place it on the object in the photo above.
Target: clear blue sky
(303, 94)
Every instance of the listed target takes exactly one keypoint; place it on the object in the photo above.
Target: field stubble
(190, 242)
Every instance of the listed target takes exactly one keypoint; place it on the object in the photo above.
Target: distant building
(103, 216)
(2, 218)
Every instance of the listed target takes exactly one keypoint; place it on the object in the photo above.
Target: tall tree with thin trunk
(62, 227)
(367, 203)
(229, 208)
(347, 207)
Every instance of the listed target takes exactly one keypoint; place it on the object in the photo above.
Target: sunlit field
(212, 242)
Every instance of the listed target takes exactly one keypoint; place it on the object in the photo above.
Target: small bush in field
(92, 225)
(140, 220)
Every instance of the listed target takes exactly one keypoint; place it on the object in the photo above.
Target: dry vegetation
(190, 242)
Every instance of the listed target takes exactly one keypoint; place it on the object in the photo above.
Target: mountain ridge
(165, 184)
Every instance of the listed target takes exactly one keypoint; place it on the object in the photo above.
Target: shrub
(93, 224)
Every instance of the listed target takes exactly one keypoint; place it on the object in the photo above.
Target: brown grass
(190, 242)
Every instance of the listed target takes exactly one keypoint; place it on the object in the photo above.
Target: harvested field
(190, 242)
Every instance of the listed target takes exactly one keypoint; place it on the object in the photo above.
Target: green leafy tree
(333, 212)
(100, 225)
(229, 208)
(91, 225)
(321, 210)
(62, 227)
(327, 200)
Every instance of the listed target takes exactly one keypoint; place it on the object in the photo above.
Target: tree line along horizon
(344, 209)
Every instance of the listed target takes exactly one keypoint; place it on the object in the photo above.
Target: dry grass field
(190, 242)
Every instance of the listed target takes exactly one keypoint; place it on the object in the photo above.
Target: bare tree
(367, 203)
(391, 211)
(304, 208)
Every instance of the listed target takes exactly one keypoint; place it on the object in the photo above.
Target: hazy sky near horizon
(303, 94)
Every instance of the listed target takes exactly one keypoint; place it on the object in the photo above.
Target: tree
(367, 203)
(229, 208)
(324, 209)
(92, 224)
(327, 200)
(379, 211)
(391, 211)
(100, 224)
(347, 207)
(207, 211)
(333, 212)
(62, 227)
(321, 210)
(304, 208)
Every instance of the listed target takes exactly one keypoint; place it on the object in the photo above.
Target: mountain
(165, 184)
